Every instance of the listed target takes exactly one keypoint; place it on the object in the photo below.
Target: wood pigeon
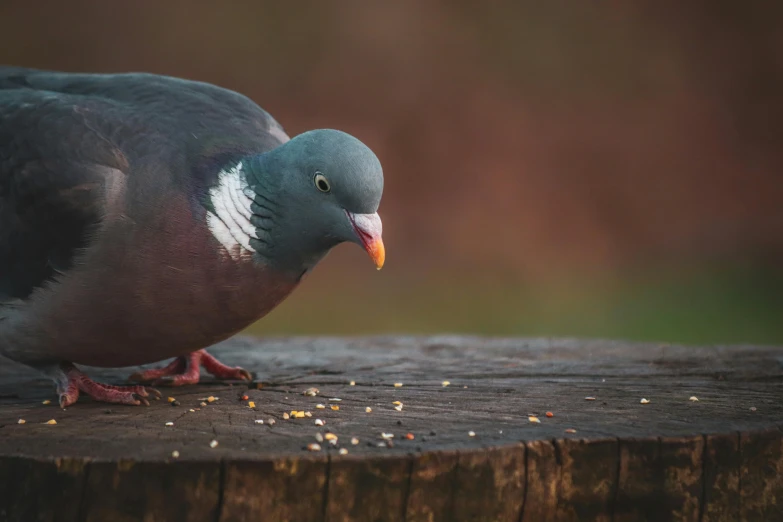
(144, 217)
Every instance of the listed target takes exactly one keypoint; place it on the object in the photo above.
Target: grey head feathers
(291, 205)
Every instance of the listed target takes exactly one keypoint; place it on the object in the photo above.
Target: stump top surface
(495, 385)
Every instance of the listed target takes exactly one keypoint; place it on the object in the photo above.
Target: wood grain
(466, 451)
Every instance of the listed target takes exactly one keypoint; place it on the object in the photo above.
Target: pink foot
(185, 370)
(75, 381)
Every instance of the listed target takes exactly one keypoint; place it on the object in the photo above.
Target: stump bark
(469, 450)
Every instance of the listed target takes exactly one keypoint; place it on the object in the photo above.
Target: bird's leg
(185, 370)
(71, 381)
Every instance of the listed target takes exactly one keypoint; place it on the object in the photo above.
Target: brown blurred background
(606, 169)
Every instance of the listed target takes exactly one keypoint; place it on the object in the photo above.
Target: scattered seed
(550, 414)
(300, 415)
(471, 434)
(353, 383)
(330, 437)
(259, 421)
(285, 416)
(445, 383)
(319, 422)
(213, 444)
(409, 436)
(397, 403)
(589, 398)
(175, 454)
(354, 441)
(398, 385)
(465, 387)
(382, 445)
(387, 436)
(308, 414)
(52, 421)
(310, 392)
(368, 409)
(171, 399)
(398, 408)
(203, 404)
(335, 407)
(319, 407)
(534, 419)
(271, 422)
(343, 451)
(169, 423)
(245, 397)
(693, 398)
(645, 401)
(752, 408)
(251, 404)
(211, 399)
(47, 401)
(570, 430)
(21, 421)
(335, 399)
(313, 446)
(191, 410)
(319, 437)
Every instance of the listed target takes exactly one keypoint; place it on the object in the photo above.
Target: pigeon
(146, 217)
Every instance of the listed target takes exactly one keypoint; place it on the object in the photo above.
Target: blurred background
(603, 169)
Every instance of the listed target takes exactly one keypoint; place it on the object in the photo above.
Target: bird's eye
(322, 183)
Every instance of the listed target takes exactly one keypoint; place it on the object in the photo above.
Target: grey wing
(55, 172)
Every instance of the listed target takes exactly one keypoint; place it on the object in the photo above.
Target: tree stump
(481, 447)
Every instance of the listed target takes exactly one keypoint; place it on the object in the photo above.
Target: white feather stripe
(230, 221)
(230, 192)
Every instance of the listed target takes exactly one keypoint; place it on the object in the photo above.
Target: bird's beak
(368, 230)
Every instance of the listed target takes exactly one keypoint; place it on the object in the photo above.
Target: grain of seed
(319, 407)
(310, 392)
(170, 399)
(368, 409)
(169, 423)
(175, 454)
(471, 434)
(398, 385)
(445, 383)
(251, 404)
(343, 451)
(285, 416)
(271, 422)
(330, 436)
(398, 408)
(409, 436)
(313, 446)
(550, 414)
(534, 419)
(52, 421)
(211, 399)
(203, 404)
(245, 397)
(319, 422)
(319, 437)
(387, 436)
(693, 398)
(47, 401)
(397, 403)
(259, 421)
(191, 410)
(354, 441)
(335, 399)
(570, 430)
(353, 383)
(752, 408)
(589, 398)
(213, 444)
(645, 401)
(300, 415)
(21, 421)
(335, 407)
(308, 414)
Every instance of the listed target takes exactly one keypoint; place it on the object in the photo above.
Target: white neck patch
(230, 221)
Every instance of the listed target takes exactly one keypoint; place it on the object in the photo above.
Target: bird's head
(315, 191)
